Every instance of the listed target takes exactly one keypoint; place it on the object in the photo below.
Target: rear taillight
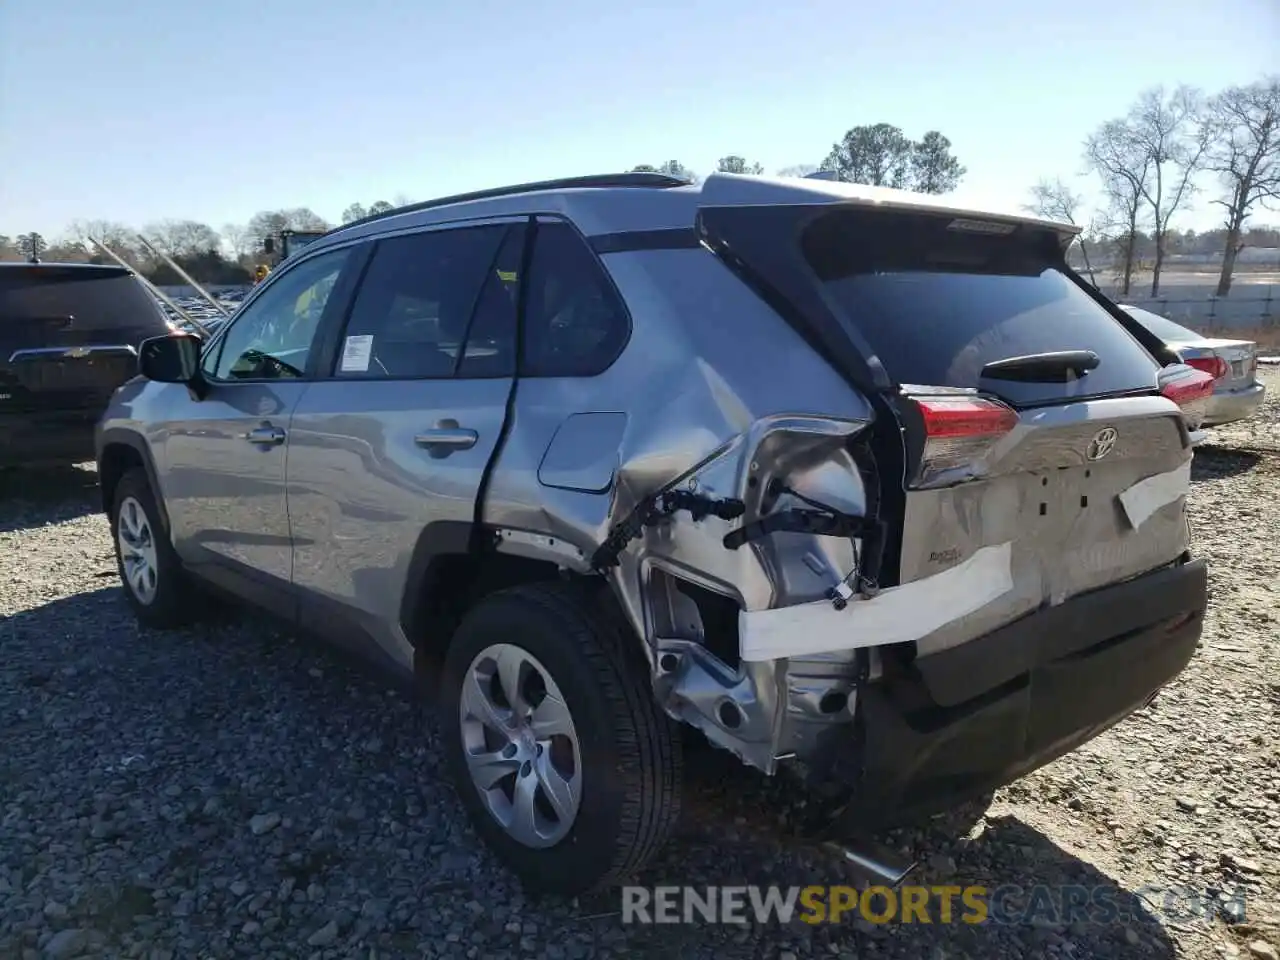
(1215, 367)
(959, 431)
(1190, 389)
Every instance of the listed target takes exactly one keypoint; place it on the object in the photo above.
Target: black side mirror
(269, 245)
(174, 358)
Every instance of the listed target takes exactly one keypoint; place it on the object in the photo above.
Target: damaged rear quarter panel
(709, 372)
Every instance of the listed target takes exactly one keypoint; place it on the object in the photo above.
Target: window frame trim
(341, 294)
(336, 333)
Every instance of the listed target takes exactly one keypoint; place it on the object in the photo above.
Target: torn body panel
(742, 522)
(675, 421)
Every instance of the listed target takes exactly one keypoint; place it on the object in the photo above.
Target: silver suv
(866, 489)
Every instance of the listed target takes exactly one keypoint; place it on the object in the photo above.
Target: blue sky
(144, 110)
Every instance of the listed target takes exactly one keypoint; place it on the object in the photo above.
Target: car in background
(1233, 364)
(69, 336)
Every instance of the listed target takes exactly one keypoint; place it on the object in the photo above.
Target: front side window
(273, 337)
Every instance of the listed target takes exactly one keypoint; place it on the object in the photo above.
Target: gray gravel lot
(228, 791)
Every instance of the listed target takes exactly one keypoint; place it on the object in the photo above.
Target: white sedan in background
(1233, 364)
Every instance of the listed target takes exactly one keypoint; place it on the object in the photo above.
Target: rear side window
(936, 304)
(95, 299)
(411, 315)
(576, 324)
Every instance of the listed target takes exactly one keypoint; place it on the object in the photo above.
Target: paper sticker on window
(356, 353)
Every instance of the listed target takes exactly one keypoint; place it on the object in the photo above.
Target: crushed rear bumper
(957, 724)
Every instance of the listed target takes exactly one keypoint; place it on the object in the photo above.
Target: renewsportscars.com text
(941, 904)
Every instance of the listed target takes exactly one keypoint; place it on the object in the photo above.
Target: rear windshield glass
(936, 305)
(1166, 330)
(96, 299)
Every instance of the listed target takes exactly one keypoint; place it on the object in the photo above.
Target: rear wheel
(155, 584)
(567, 766)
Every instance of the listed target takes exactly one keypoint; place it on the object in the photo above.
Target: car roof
(110, 269)
(638, 202)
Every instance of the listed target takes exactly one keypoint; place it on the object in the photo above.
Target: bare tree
(354, 212)
(182, 238)
(1054, 200)
(304, 218)
(379, 207)
(264, 224)
(269, 223)
(798, 170)
(1244, 134)
(1169, 131)
(67, 249)
(671, 168)
(238, 239)
(736, 164)
(120, 239)
(1124, 169)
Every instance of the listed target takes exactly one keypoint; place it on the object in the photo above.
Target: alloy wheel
(521, 746)
(137, 550)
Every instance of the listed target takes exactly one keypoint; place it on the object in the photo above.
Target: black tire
(631, 751)
(175, 603)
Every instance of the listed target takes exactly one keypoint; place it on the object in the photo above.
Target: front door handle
(265, 435)
(447, 439)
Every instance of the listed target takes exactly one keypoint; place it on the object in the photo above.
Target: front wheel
(155, 584)
(568, 768)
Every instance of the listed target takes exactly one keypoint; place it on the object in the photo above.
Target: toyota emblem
(1103, 442)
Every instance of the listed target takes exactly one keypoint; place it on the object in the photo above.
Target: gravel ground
(231, 792)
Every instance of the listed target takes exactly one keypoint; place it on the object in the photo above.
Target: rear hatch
(1021, 407)
(69, 334)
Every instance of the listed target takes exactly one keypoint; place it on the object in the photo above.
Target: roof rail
(653, 181)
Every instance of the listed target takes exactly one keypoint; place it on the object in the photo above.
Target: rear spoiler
(818, 189)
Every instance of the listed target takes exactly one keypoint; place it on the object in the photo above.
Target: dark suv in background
(69, 334)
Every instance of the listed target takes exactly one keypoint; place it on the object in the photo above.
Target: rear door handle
(267, 436)
(445, 439)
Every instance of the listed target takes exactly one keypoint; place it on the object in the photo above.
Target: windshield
(1166, 330)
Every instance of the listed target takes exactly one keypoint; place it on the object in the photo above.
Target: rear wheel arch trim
(453, 548)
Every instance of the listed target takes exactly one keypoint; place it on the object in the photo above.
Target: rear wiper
(1060, 366)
